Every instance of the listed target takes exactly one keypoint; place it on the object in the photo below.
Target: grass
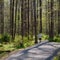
(5, 49)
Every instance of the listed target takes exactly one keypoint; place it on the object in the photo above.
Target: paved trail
(42, 51)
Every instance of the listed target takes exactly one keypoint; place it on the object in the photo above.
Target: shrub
(19, 44)
(50, 40)
(44, 37)
(5, 38)
(57, 39)
(27, 42)
(17, 41)
(8, 47)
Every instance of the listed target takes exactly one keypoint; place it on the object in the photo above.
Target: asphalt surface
(42, 51)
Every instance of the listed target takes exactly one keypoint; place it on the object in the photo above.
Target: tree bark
(59, 17)
(12, 18)
(2, 16)
(40, 16)
(34, 4)
(51, 30)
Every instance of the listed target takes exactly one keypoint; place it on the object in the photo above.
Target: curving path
(42, 51)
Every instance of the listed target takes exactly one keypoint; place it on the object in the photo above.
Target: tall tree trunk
(22, 33)
(31, 19)
(19, 17)
(40, 16)
(2, 16)
(59, 17)
(12, 18)
(15, 16)
(51, 30)
(34, 4)
(28, 19)
(46, 17)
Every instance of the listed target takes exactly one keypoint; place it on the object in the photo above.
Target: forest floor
(42, 51)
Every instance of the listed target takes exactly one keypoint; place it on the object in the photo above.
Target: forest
(22, 20)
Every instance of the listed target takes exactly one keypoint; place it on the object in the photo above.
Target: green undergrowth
(55, 39)
(7, 45)
(45, 37)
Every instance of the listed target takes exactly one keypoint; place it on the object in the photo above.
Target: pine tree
(2, 16)
(12, 18)
(40, 16)
(34, 4)
(59, 17)
(51, 28)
